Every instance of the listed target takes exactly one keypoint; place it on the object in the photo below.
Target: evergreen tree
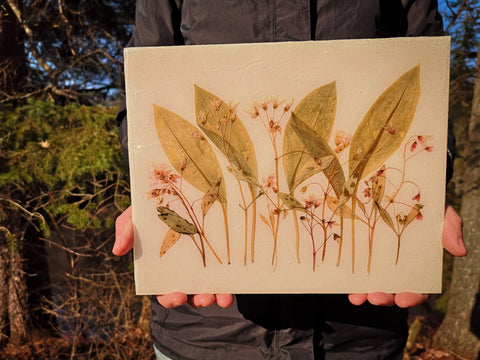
(66, 50)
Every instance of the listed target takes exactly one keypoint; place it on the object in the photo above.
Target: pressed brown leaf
(171, 237)
(264, 220)
(317, 110)
(318, 149)
(384, 127)
(378, 185)
(175, 221)
(210, 197)
(182, 140)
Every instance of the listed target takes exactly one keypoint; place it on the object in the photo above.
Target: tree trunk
(3, 296)
(455, 332)
(17, 304)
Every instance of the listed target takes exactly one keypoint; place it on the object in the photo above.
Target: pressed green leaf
(175, 221)
(346, 211)
(240, 175)
(384, 126)
(223, 127)
(412, 214)
(386, 217)
(317, 110)
(291, 202)
(188, 151)
(318, 149)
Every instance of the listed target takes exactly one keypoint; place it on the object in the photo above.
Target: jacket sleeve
(425, 20)
(157, 23)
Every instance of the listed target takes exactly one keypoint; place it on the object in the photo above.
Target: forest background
(63, 181)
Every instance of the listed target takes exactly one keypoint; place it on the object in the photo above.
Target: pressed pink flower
(413, 146)
(288, 105)
(419, 216)
(330, 223)
(154, 193)
(276, 101)
(424, 141)
(391, 130)
(270, 183)
(313, 200)
(197, 135)
(274, 127)
(416, 197)
(164, 175)
(367, 192)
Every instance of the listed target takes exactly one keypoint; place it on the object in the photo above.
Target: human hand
(452, 239)
(124, 243)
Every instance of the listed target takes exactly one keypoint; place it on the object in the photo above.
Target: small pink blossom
(391, 130)
(367, 192)
(313, 201)
(424, 141)
(270, 183)
(413, 146)
(416, 198)
(164, 175)
(288, 105)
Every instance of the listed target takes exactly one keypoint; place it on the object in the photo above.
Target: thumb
(452, 237)
(123, 233)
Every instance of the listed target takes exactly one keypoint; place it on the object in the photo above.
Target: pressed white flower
(252, 109)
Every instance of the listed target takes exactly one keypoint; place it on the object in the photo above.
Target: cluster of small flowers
(254, 107)
(342, 141)
(367, 192)
(162, 174)
(163, 180)
(313, 200)
(423, 141)
(270, 183)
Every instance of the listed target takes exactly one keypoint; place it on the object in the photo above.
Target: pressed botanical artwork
(293, 167)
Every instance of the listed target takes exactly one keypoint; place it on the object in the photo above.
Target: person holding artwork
(224, 326)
